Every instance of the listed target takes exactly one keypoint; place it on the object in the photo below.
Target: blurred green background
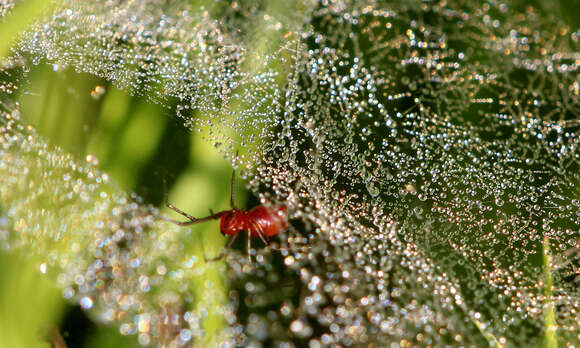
(139, 144)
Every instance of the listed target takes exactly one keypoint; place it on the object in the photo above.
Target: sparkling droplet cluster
(428, 154)
(5, 7)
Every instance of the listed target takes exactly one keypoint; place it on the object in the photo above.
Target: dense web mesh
(427, 152)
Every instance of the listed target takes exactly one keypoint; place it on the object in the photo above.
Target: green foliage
(30, 304)
(81, 183)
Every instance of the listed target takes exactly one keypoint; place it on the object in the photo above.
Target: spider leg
(192, 220)
(214, 259)
(233, 190)
(180, 223)
(233, 187)
(223, 252)
(260, 233)
(231, 241)
(171, 206)
(249, 244)
(262, 236)
(179, 211)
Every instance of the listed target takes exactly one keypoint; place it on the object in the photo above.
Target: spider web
(427, 152)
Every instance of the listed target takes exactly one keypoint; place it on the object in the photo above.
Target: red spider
(261, 221)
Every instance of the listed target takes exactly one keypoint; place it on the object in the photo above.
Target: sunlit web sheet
(428, 154)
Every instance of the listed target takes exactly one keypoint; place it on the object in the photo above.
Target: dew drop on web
(428, 155)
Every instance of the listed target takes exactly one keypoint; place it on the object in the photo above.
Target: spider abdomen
(267, 220)
(261, 220)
